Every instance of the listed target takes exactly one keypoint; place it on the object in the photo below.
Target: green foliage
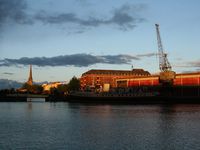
(74, 84)
(54, 91)
(27, 87)
(60, 90)
(63, 88)
(33, 88)
(4, 92)
(37, 88)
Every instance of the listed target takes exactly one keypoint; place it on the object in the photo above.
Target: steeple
(30, 79)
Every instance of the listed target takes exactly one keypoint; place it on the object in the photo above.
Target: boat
(162, 95)
(105, 97)
(32, 99)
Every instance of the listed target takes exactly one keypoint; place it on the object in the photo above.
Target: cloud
(13, 10)
(147, 55)
(8, 84)
(124, 17)
(78, 60)
(84, 3)
(195, 63)
(8, 73)
(189, 64)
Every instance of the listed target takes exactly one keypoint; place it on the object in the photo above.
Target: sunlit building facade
(181, 79)
(47, 86)
(98, 78)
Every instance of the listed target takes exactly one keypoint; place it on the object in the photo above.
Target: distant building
(100, 78)
(47, 86)
(30, 78)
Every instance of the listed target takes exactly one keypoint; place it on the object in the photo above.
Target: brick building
(181, 79)
(98, 78)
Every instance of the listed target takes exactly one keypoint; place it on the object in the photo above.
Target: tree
(37, 88)
(27, 87)
(33, 88)
(54, 91)
(74, 84)
(63, 88)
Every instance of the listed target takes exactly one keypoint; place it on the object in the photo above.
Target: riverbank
(136, 100)
(20, 97)
(134, 95)
(112, 100)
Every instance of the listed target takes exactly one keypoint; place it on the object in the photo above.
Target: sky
(65, 38)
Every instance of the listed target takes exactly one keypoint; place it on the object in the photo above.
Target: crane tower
(166, 75)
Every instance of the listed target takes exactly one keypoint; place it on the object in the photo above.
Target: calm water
(98, 127)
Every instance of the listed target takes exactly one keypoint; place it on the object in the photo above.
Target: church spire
(30, 79)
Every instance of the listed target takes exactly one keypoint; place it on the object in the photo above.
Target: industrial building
(181, 79)
(139, 77)
(100, 78)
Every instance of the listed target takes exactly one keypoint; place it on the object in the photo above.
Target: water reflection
(29, 106)
(78, 126)
(153, 126)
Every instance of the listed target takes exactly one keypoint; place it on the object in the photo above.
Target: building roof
(188, 73)
(118, 72)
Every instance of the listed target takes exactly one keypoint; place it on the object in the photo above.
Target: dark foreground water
(99, 127)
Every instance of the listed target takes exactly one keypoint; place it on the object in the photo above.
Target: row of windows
(127, 74)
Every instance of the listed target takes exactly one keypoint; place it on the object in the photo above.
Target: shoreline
(113, 100)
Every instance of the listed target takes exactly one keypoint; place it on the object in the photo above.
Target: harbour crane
(166, 76)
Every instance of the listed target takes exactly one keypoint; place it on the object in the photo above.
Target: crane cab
(167, 77)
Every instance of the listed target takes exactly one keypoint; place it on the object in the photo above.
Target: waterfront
(88, 127)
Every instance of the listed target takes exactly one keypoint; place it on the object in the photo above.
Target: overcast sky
(64, 38)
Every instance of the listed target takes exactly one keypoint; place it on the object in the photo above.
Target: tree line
(63, 89)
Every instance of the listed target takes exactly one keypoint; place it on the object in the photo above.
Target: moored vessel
(146, 95)
(32, 99)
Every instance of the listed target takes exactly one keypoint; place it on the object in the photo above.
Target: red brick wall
(181, 79)
(185, 79)
(150, 81)
(95, 80)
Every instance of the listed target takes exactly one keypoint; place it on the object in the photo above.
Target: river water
(99, 127)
